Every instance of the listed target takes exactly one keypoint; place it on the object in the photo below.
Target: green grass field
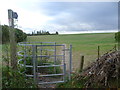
(83, 44)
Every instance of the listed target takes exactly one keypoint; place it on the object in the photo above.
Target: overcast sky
(62, 16)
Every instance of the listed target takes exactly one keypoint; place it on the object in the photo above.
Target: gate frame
(35, 66)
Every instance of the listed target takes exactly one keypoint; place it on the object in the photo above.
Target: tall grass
(12, 78)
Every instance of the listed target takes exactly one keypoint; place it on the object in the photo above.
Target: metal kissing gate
(45, 62)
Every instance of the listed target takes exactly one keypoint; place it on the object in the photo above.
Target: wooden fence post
(81, 63)
(34, 64)
(13, 54)
(98, 52)
(13, 48)
(115, 47)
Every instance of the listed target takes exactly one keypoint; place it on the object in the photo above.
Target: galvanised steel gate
(45, 61)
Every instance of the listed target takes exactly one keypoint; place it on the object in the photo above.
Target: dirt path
(48, 79)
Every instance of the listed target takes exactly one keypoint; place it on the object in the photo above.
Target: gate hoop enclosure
(51, 55)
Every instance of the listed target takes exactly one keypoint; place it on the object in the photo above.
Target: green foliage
(52, 70)
(117, 36)
(40, 62)
(14, 79)
(5, 54)
(5, 34)
(19, 34)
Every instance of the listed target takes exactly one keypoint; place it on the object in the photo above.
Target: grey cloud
(99, 15)
(53, 8)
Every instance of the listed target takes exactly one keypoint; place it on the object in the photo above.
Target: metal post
(41, 54)
(70, 62)
(34, 63)
(64, 69)
(25, 56)
(55, 57)
(12, 40)
(55, 54)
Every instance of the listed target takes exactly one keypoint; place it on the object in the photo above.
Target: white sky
(28, 18)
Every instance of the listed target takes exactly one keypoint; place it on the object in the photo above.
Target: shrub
(19, 34)
(117, 36)
(14, 79)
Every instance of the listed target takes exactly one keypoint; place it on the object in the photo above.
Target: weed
(14, 79)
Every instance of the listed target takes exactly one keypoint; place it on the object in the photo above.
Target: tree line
(42, 32)
(19, 35)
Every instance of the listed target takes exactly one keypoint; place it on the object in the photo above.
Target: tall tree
(56, 33)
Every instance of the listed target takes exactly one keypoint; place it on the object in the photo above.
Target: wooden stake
(115, 47)
(81, 63)
(98, 52)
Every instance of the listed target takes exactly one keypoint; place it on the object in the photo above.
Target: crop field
(83, 44)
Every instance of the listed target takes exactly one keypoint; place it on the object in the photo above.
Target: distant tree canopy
(41, 32)
(19, 34)
(56, 33)
(117, 36)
